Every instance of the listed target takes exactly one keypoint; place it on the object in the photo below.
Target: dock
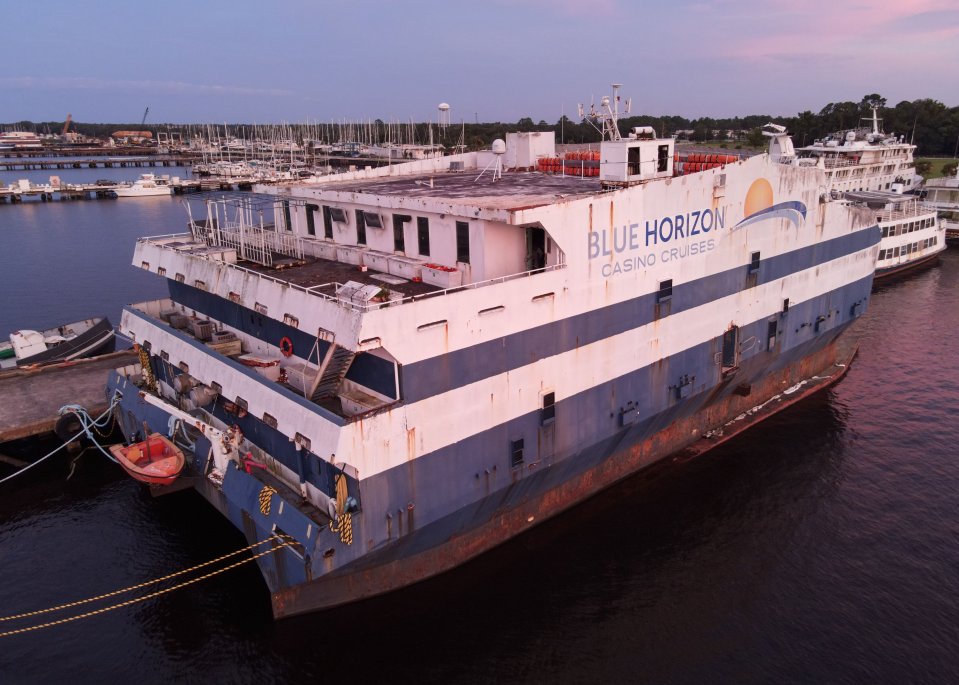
(47, 192)
(98, 163)
(31, 397)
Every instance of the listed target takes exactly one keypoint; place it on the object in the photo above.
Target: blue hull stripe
(430, 377)
(461, 367)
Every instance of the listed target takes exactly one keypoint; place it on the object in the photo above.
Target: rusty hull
(681, 440)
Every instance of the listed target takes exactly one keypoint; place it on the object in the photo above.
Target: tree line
(933, 127)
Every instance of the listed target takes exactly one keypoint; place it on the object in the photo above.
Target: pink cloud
(573, 8)
(825, 27)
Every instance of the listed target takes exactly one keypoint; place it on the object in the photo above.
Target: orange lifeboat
(156, 460)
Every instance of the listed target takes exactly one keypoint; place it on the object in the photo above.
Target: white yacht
(145, 186)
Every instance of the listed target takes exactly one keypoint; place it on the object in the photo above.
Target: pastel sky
(495, 60)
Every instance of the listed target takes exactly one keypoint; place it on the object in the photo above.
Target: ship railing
(906, 211)
(252, 242)
(327, 291)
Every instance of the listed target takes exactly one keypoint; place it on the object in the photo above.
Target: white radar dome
(499, 147)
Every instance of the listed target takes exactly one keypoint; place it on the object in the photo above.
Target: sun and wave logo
(759, 206)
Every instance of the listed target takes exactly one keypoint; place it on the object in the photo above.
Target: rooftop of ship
(514, 190)
(853, 140)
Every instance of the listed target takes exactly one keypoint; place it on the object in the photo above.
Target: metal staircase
(336, 363)
(332, 367)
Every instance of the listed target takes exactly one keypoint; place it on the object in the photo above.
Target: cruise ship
(876, 171)
(863, 158)
(20, 140)
(395, 370)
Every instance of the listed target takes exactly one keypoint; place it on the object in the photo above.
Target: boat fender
(286, 346)
(67, 426)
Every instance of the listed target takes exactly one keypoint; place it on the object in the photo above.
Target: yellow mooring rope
(289, 541)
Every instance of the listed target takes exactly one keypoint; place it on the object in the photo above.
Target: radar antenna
(606, 118)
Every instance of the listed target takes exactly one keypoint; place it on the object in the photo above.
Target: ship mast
(606, 118)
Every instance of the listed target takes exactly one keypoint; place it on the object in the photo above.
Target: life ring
(286, 346)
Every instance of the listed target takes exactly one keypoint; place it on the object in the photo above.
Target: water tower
(444, 115)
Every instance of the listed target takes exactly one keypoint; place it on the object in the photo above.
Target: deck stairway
(336, 363)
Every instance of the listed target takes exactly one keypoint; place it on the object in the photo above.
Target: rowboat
(156, 460)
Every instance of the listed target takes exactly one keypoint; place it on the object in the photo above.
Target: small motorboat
(146, 186)
(156, 460)
(77, 340)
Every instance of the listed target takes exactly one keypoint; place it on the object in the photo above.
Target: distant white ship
(145, 186)
(20, 140)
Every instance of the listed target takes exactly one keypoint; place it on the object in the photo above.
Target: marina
(347, 277)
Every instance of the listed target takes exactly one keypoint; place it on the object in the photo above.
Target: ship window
(372, 220)
(548, 413)
(665, 292)
(269, 420)
(310, 219)
(785, 305)
(180, 278)
(463, 242)
(516, 452)
(771, 334)
(164, 355)
(234, 297)
(287, 219)
(200, 285)
(338, 214)
(216, 387)
(882, 254)
(145, 265)
(360, 227)
(423, 235)
(663, 158)
(161, 271)
(632, 161)
(399, 238)
(291, 320)
(327, 223)
(260, 308)
(183, 366)
(754, 263)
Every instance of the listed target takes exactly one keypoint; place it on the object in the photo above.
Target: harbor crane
(66, 124)
(145, 112)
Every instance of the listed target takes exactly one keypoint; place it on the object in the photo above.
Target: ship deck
(515, 190)
(322, 275)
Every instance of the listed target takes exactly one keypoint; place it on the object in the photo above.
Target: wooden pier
(94, 163)
(31, 398)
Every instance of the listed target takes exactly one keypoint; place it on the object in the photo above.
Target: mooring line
(137, 600)
(139, 585)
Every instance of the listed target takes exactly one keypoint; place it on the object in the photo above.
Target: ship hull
(458, 538)
(907, 268)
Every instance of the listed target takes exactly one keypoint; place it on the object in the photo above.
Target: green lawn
(937, 164)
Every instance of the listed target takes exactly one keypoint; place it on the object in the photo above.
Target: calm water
(819, 548)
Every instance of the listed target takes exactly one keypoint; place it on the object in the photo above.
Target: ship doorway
(535, 248)
(311, 219)
(730, 347)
